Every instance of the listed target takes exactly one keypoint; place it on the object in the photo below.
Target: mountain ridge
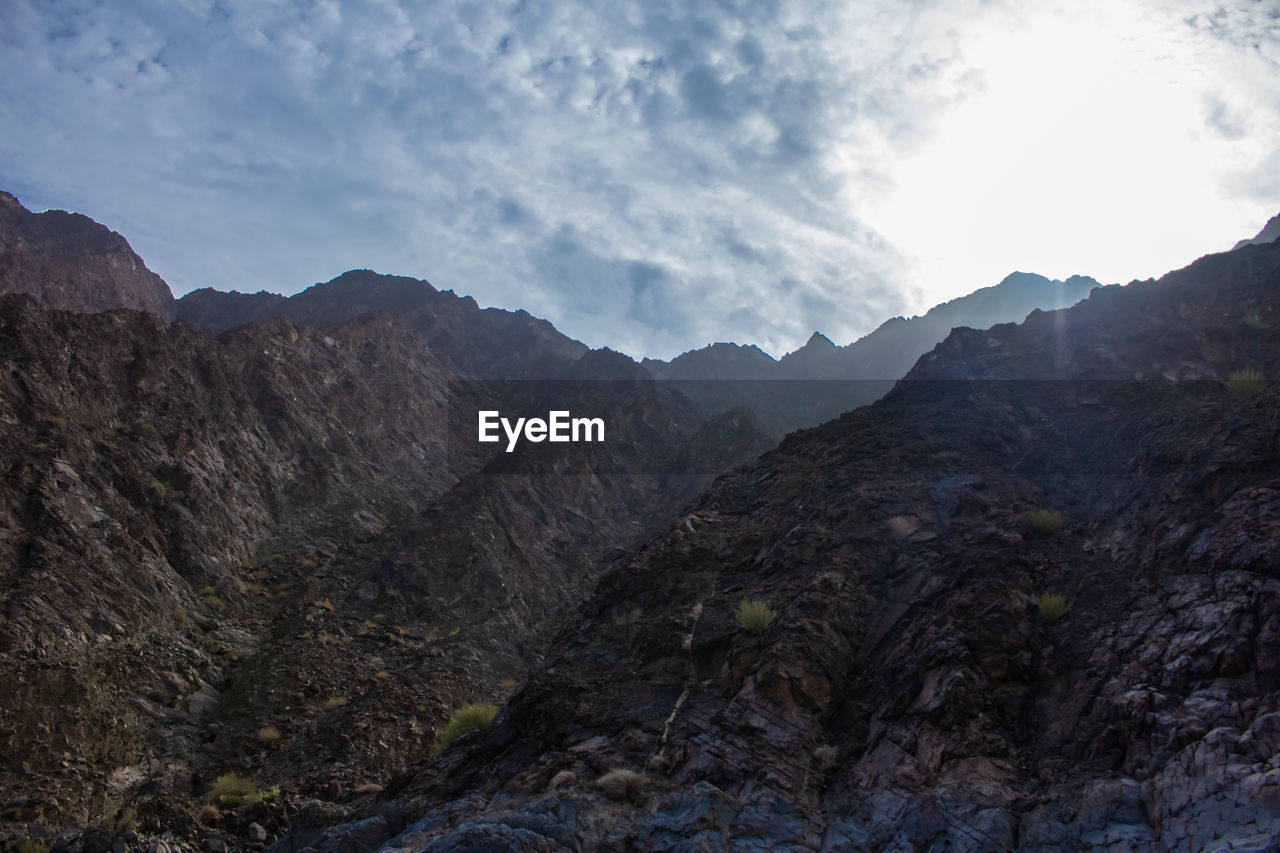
(915, 688)
(67, 260)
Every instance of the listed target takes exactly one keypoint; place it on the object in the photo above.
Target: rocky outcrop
(68, 261)
(922, 685)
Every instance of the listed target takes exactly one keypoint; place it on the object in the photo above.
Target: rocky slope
(277, 552)
(921, 686)
(68, 261)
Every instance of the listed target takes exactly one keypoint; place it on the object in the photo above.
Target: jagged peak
(817, 339)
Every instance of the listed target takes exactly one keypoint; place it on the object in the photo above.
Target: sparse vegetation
(382, 675)
(380, 618)
(1254, 321)
(207, 591)
(180, 615)
(259, 796)
(31, 846)
(622, 784)
(1245, 382)
(157, 487)
(1042, 522)
(56, 423)
(755, 616)
(467, 719)
(1052, 607)
(144, 426)
(335, 702)
(230, 790)
(268, 734)
(209, 813)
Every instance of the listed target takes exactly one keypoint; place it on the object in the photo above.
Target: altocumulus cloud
(649, 175)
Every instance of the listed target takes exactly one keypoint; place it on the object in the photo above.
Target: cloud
(648, 175)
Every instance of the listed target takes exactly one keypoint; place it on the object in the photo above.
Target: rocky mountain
(1269, 234)
(820, 380)
(68, 261)
(1010, 613)
(253, 562)
(489, 343)
(280, 553)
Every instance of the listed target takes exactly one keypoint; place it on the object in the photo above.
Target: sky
(651, 175)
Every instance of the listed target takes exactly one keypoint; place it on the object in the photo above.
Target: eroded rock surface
(917, 689)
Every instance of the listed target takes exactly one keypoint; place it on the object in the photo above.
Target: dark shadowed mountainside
(263, 553)
(1012, 613)
(478, 342)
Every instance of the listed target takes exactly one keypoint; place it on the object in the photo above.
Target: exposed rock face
(261, 554)
(147, 466)
(918, 689)
(68, 261)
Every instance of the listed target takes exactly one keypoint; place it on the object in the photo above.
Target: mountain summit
(68, 261)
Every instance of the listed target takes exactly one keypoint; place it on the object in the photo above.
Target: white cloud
(648, 175)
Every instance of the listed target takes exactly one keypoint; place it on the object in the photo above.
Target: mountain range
(1019, 554)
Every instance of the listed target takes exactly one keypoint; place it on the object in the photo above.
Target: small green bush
(1254, 321)
(259, 796)
(754, 615)
(1245, 382)
(1052, 607)
(31, 846)
(1044, 522)
(157, 487)
(230, 790)
(467, 719)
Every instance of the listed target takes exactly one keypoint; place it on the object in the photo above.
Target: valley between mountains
(1021, 553)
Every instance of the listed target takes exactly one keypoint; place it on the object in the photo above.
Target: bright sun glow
(1083, 148)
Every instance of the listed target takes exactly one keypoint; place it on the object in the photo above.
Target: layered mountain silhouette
(890, 350)
(1025, 601)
